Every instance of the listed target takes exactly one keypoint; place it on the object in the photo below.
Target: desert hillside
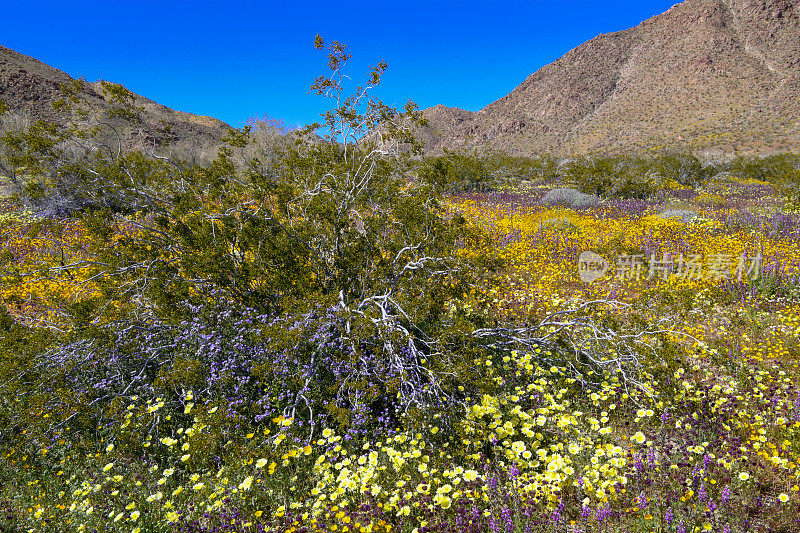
(30, 86)
(721, 74)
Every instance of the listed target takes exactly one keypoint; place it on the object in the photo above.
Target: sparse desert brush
(569, 198)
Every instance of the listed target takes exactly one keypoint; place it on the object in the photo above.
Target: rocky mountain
(30, 87)
(706, 74)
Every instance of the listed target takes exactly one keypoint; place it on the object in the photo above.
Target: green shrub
(457, 172)
(686, 169)
(353, 265)
(612, 176)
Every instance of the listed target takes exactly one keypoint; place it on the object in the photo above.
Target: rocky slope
(706, 74)
(30, 87)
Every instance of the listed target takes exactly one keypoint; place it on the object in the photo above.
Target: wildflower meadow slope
(703, 439)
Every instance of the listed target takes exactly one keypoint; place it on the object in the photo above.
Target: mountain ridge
(703, 75)
(663, 84)
(31, 87)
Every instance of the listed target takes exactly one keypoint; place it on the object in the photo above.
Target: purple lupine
(493, 525)
(796, 413)
(638, 464)
(642, 501)
(726, 495)
(603, 512)
(508, 519)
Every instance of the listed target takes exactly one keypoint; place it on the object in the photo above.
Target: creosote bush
(326, 245)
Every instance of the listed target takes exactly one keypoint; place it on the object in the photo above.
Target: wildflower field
(705, 435)
(317, 337)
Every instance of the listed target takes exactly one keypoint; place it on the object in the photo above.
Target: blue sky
(234, 60)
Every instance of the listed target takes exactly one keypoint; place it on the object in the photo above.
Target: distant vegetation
(339, 334)
(610, 176)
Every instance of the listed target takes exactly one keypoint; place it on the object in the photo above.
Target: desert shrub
(11, 123)
(612, 176)
(40, 162)
(28, 390)
(569, 198)
(268, 140)
(685, 169)
(458, 172)
(786, 175)
(777, 169)
(782, 171)
(58, 171)
(625, 176)
(511, 169)
(212, 353)
(325, 245)
(322, 367)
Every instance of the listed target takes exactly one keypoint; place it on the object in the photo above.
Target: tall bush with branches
(324, 237)
(357, 289)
